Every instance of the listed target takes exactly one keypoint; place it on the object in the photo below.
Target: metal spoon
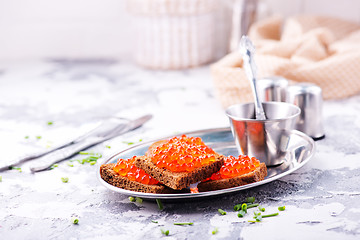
(247, 50)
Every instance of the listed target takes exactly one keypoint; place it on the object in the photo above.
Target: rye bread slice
(178, 180)
(251, 177)
(110, 176)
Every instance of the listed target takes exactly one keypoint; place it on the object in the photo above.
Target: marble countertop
(322, 198)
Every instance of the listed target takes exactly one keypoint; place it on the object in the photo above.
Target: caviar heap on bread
(124, 174)
(235, 172)
(126, 168)
(182, 154)
(180, 161)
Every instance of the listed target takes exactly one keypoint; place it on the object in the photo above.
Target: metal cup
(308, 97)
(272, 89)
(265, 140)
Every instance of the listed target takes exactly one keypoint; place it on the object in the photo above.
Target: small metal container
(272, 89)
(308, 97)
(267, 140)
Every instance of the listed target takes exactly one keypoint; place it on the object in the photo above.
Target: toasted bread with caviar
(256, 175)
(110, 176)
(179, 180)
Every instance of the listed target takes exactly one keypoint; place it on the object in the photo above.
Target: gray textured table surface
(322, 199)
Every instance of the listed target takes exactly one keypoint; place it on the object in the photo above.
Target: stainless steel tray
(299, 151)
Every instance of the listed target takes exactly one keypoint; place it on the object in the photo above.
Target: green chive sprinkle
(282, 208)
(50, 123)
(244, 207)
(15, 168)
(64, 179)
(54, 166)
(252, 205)
(237, 207)
(132, 199)
(186, 223)
(165, 232)
(222, 212)
(258, 218)
(128, 143)
(262, 209)
(139, 200)
(154, 221)
(159, 203)
(251, 221)
(74, 220)
(257, 214)
(85, 153)
(38, 137)
(215, 231)
(241, 213)
(92, 162)
(26, 137)
(270, 215)
(70, 164)
(250, 199)
(107, 146)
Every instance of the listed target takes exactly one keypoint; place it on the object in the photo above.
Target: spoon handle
(247, 51)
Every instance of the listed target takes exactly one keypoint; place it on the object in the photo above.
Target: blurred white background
(103, 28)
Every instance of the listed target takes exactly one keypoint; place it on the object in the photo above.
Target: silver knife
(109, 129)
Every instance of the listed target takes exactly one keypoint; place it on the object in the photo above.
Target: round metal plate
(299, 151)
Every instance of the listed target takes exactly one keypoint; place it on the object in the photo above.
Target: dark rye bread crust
(110, 176)
(251, 177)
(178, 180)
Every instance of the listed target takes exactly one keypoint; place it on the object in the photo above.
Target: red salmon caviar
(182, 154)
(234, 167)
(126, 168)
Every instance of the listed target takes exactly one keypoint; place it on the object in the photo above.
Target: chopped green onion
(282, 208)
(26, 137)
(38, 137)
(244, 207)
(74, 220)
(86, 153)
(251, 221)
(15, 168)
(257, 214)
(222, 212)
(64, 179)
(165, 232)
(241, 213)
(54, 166)
(132, 199)
(50, 123)
(270, 215)
(154, 221)
(262, 209)
(93, 163)
(250, 199)
(186, 223)
(70, 164)
(107, 146)
(252, 205)
(128, 143)
(237, 207)
(215, 231)
(159, 203)
(258, 218)
(139, 200)
(0, 178)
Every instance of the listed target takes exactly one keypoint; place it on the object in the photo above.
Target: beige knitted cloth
(320, 50)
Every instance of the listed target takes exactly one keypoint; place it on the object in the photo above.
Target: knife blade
(98, 135)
